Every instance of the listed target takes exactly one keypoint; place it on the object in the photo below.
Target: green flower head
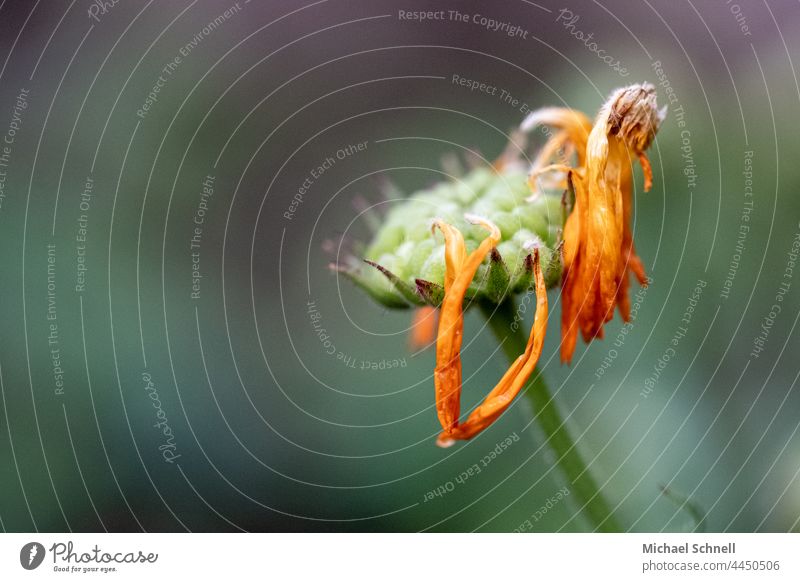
(404, 265)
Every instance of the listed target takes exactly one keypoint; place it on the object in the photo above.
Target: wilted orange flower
(598, 243)
(460, 269)
(598, 250)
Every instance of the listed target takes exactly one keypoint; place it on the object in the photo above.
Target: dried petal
(515, 377)
(598, 244)
(460, 271)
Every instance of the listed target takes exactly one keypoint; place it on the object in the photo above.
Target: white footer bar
(355, 557)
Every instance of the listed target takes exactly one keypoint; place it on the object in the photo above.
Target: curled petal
(648, 171)
(455, 252)
(460, 269)
(599, 254)
(571, 133)
(574, 123)
(515, 377)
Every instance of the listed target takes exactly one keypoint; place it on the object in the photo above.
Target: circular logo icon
(31, 555)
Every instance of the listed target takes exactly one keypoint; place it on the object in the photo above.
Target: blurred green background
(220, 407)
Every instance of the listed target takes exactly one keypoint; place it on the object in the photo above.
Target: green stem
(501, 321)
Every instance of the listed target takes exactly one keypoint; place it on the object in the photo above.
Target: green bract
(404, 264)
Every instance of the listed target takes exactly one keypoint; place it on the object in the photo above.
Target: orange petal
(647, 170)
(455, 252)
(574, 123)
(460, 269)
(598, 242)
(423, 327)
(515, 377)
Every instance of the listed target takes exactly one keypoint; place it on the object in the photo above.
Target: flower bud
(404, 265)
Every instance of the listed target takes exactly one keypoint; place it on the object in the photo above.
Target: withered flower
(598, 244)
(521, 212)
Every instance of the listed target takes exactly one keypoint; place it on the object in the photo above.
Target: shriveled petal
(515, 377)
(599, 253)
(455, 252)
(460, 269)
(572, 132)
(575, 123)
(644, 161)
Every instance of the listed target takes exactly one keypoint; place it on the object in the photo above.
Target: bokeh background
(229, 409)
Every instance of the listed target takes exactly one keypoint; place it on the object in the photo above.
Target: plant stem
(568, 459)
